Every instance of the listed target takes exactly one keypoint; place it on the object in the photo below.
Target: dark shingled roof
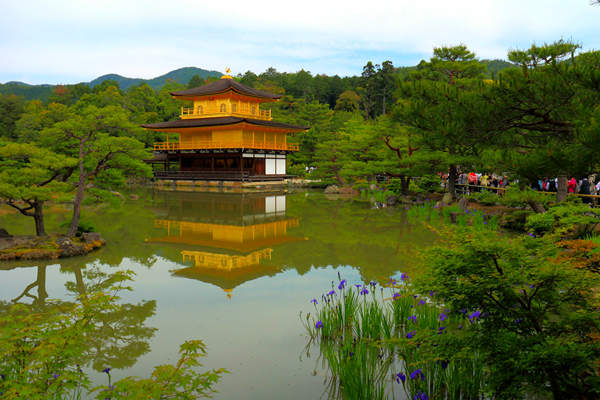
(201, 122)
(223, 85)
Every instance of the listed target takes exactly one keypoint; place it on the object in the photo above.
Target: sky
(70, 41)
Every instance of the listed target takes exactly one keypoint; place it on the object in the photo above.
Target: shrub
(487, 198)
(515, 197)
(537, 320)
(429, 183)
(566, 220)
(515, 220)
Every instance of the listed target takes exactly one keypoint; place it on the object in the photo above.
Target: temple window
(223, 108)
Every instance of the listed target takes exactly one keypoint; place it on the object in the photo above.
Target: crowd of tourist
(474, 181)
(581, 186)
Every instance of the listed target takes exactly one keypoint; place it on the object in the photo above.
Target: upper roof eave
(223, 86)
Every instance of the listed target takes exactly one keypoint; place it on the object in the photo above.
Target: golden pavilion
(224, 136)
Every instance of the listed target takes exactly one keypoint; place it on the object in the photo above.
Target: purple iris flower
(443, 317)
(373, 283)
(475, 315)
(319, 325)
(396, 296)
(403, 277)
(421, 302)
(314, 301)
(55, 375)
(411, 334)
(106, 370)
(460, 327)
(342, 284)
(364, 291)
(400, 377)
(517, 321)
(445, 364)
(358, 286)
(463, 310)
(393, 281)
(441, 329)
(420, 396)
(331, 293)
(413, 317)
(417, 373)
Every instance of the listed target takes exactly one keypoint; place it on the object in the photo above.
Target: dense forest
(534, 116)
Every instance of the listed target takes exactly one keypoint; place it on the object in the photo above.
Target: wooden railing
(229, 144)
(216, 111)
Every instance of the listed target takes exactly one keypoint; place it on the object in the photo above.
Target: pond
(232, 269)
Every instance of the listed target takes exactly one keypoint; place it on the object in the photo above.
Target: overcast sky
(69, 41)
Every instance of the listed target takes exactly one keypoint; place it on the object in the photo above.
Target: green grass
(430, 214)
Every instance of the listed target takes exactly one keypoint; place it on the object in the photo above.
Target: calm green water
(231, 269)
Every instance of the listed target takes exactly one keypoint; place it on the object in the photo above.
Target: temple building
(224, 136)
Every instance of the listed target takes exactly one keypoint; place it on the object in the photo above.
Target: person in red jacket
(571, 185)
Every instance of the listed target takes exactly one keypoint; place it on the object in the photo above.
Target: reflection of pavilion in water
(227, 237)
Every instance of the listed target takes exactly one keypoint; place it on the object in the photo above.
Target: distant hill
(495, 66)
(181, 75)
(26, 90)
(43, 92)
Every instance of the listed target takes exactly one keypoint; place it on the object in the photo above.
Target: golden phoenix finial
(227, 72)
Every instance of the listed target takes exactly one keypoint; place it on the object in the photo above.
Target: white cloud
(75, 40)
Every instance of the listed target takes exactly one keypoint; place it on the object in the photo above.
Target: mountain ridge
(43, 91)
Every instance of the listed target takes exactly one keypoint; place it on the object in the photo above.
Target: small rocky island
(48, 247)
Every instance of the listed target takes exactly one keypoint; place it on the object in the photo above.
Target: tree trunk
(561, 191)
(452, 177)
(383, 103)
(536, 206)
(404, 184)
(78, 200)
(38, 216)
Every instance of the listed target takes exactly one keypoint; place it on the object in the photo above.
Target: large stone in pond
(447, 199)
(391, 200)
(347, 190)
(68, 248)
(332, 189)
(463, 203)
(4, 233)
(90, 237)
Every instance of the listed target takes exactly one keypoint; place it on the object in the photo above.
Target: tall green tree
(386, 83)
(29, 176)
(547, 109)
(100, 140)
(11, 109)
(443, 104)
(195, 81)
(368, 89)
